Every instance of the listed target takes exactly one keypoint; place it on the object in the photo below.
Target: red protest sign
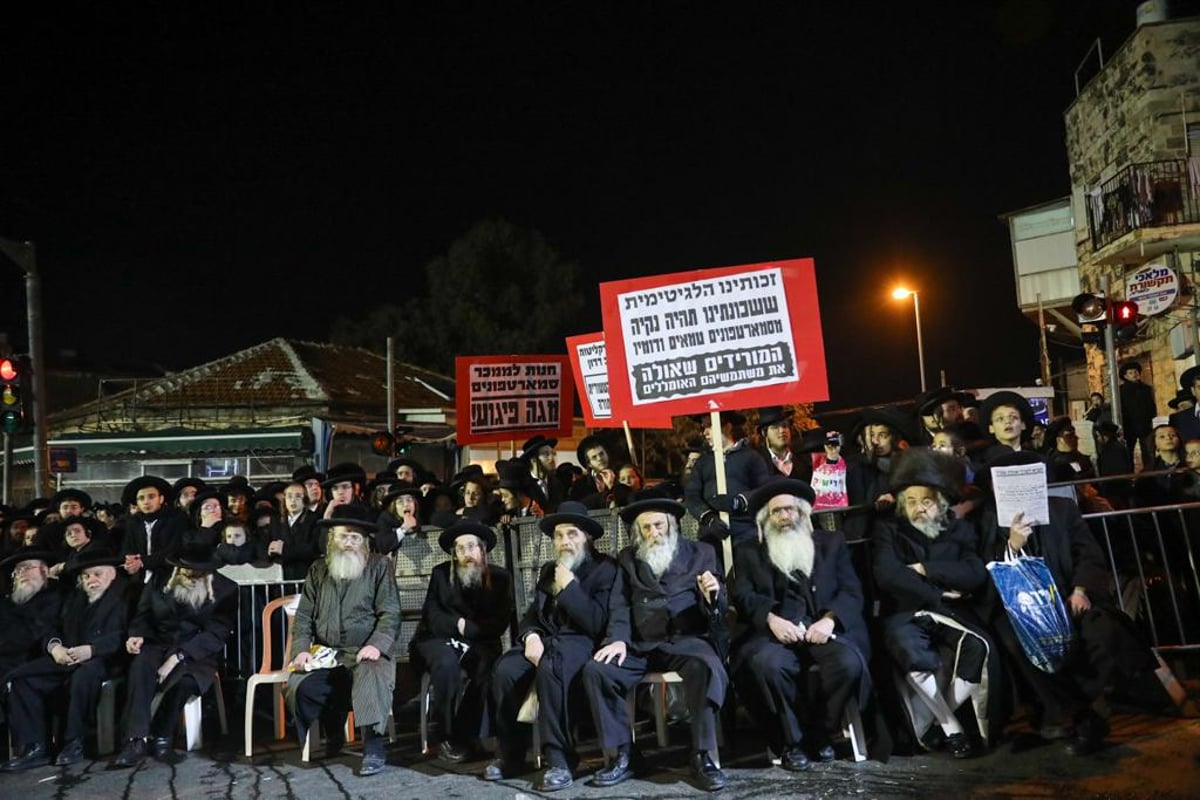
(704, 340)
(589, 363)
(499, 398)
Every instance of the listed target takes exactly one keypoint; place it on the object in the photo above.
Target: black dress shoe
(372, 764)
(132, 754)
(32, 755)
(615, 772)
(163, 748)
(556, 778)
(708, 775)
(1089, 735)
(449, 751)
(71, 753)
(794, 760)
(827, 754)
(960, 746)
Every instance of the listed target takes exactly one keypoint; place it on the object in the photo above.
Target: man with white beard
(82, 651)
(350, 604)
(467, 608)
(800, 604)
(176, 638)
(662, 609)
(927, 568)
(558, 634)
(28, 612)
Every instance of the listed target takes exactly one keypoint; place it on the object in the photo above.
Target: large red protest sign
(704, 340)
(512, 397)
(589, 363)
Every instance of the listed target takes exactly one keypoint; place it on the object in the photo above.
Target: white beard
(346, 565)
(931, 530)
(469, 576)
(22, 593)
(658, 556)
(573, 562)
(193, 594)
(95, 594)
(790, 547)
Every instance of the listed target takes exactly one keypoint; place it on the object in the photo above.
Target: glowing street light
(901, 293)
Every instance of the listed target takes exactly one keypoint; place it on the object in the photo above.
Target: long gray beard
(346, 565)
(658, 556)
(791, 548)
(469, 576)
(193, 594)
(22, 594)
(930, 528)
(573, 562)
(94, 594)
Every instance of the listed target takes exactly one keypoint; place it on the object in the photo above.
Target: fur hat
(922, 466)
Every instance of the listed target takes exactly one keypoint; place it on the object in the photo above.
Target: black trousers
(323, 695)
(143, 685)
(459, 683)
(608, 685)
(774, 683)
(39, 683)
(559, 687)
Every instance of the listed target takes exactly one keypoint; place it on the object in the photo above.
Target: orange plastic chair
(276, 677)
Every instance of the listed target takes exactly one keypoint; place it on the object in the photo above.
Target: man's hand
(80, 654)
(133, 645)
(820, 631)
(409, 520)
(275, 548)
(534, 648)
(133, 563)
(885, 500)
(709, 585)
(297, 663)
(1019, 532)
(918, 568)
(562, 577)
(1079, 602)
(606, 654)
(167, 667)
(462, 626)
(609, 477)
(367, 653)
(61, 655)
(56, 570)
(784, 630)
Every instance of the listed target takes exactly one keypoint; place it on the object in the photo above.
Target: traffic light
(1124, 319)
(11, 405)
(396, 443)
(1091, 310)
(381, 443)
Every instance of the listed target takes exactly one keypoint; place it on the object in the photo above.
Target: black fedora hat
(588, 442)
(129, 493)
(351, 515)
(1181, 396)
(1055, 429)
(100, 557)
(400, 488)
(1128, 365)
(464, 527)
(530, 449)
(79, 496)
(514, 475)
(346, 471)
(928, 402)
(93, 526)
(396, 463)
(789, 486)
(734, 417)
(660, 504)
(895, 419)
(1005, 398)
(189, 482)
(773, 415)
(1189, 377)
(307, 472)
(29, 554)
(472, 473)
(571, 512)
(196, 557)
(924, 466)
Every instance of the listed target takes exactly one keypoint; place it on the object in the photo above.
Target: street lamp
(901, 293)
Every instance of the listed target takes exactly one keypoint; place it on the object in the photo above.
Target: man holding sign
(745, 471)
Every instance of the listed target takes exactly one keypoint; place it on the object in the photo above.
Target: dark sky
(199, 180)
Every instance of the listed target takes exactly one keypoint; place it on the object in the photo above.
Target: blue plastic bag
(1035, 608)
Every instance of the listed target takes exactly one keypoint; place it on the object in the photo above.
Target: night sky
(201, 180)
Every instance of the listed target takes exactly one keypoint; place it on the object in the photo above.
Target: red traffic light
(8, 369)
(1125, 311)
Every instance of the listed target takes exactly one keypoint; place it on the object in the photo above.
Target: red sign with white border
(501, 398)
(589, 362)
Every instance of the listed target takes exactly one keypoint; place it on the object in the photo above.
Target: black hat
(129, 493)
(587, 443)
(29, 554)
(399, 488)
(396, 463)
(1182, 396)
(967, 399)
(464, 527)
(1005, 398)
(1055, 429)
(923, 466)
(1128, 365)
(346, 471)
(207, 494)
(662, 504)
(100, 557)
(196, 557)
(83, 498)
(571, 512)
(734, 417)
(306, 472)
(899, 422)
(189, 482)
(763, 494)
(813, 440)
(93, 526)
(1188, 377)
(530, 449)
(351, 515)
(514, 475)
(928, 402)
(472, 473)
(773, 415)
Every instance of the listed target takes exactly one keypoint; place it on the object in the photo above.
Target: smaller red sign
(589, 362)
(501, 398)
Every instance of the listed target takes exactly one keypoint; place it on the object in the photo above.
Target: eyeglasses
(466, 547)
(355, 538)
(926, 503)
(19, 568)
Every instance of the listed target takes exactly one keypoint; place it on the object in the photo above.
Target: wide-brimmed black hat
(514, 475)
(773, 415)
(83, 498)
(464, 527)
(571, 512)
(734, 417)
(1188, 377)
(789, 486)
(1055, 429)
(928, 402)
(189, 482)
(93, 526)
(1181, 396)
(399, 488)
(901, 424)
(351, 515)
(923, 466)
(346, 471)
(587, 443)
(29, 554)
(196, 557)
(100, 557)
(1005, 398)
(1128, 365)
(661, 504)
(129, 493)
(967, 399)
(472, 473)
(530, 449)
(307, 472)
(396, 463)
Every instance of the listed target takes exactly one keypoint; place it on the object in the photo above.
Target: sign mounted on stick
(589, 362)
(500, 398)
(705, 340)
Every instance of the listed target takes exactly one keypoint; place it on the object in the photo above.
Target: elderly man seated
(349, 604)
(662, 610)
(28, 613)
(83, 651)
(799, 604)
(467, 607)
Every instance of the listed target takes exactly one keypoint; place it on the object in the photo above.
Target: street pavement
(1148, 757)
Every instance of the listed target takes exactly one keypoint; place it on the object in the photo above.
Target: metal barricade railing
(243, 651)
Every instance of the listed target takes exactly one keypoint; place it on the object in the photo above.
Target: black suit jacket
(581, 609)
(101, 624)
(486, 610)
(200, 633)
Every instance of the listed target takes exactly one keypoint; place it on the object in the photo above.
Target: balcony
(1149, 195)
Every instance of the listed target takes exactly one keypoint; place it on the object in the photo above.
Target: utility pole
(23, 254)
(1110, 354)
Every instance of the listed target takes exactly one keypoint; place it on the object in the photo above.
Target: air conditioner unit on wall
(1182, 339)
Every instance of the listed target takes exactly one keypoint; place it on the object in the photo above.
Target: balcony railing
(1147, 195)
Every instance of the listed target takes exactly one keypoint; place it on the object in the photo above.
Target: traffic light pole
(7, 468)
(1110, 356)
(24, 256)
